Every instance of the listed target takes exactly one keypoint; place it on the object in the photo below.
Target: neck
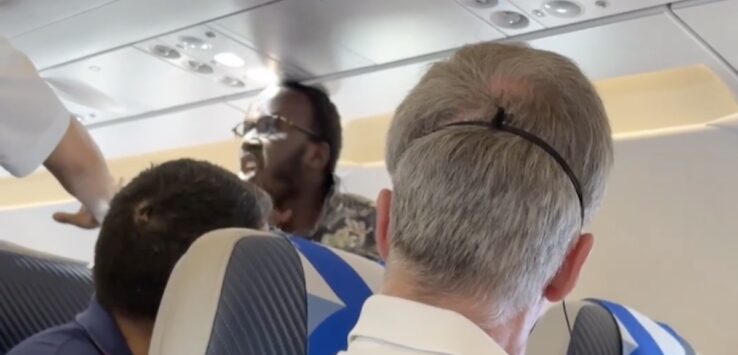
(511, 335)
(136, 332)
(306, 210)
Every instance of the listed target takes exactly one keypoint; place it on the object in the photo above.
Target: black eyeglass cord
(566, 317)
(499, 123)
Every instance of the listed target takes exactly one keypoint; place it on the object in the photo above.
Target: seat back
(601, 327)
(37, 293)
(239, 291)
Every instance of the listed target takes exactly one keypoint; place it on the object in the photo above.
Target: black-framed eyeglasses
(271, 125)
(499, 123)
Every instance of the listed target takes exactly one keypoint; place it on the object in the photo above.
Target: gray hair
(486, 213)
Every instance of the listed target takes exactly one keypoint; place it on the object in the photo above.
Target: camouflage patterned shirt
(347, 222)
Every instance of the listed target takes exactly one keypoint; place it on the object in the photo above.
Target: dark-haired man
(291, 144)
(151, 224)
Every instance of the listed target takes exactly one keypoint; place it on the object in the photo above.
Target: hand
(82, 219)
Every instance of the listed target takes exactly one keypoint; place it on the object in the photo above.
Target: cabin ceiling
(183, 70)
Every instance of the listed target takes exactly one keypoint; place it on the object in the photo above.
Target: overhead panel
(553, 13)
(295, 32)
(128, 82)
(18, 16)
(643, 44)
(118, 24)
(326, 36)
(205, 50)
(716, 23)
(390, 30)
(371, 94)
(505, 16)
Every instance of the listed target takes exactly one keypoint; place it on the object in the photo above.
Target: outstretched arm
(81, 169)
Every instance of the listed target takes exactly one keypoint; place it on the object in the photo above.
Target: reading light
(229, 59)
(191, 42)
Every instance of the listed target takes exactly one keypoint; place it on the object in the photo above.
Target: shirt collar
(102, 330)
(422, 327)
(329, 205)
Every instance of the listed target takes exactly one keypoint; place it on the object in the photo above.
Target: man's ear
(318, 155)
(568, 275)
(383, 232)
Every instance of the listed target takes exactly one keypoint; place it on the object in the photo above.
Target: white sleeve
(32, 119)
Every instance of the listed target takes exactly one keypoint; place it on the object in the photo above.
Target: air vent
(510, 20)
(165, 51)
(481, 4)
(232, 82)
(562, 8)
(199, 67)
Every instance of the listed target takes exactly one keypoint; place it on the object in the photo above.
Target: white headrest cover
(184, 322)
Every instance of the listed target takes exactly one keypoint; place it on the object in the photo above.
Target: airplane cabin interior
(156, 80)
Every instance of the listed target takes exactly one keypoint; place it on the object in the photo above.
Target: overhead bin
(648, 42)
(20, 17)
(715, 22)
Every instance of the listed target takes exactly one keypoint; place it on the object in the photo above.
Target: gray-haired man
(498, 157)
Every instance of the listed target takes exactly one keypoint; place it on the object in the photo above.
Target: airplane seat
(240, 291)
(37, 293)
(600, 327)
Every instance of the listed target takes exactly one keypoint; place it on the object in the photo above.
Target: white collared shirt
(32, 119)
(395, 326)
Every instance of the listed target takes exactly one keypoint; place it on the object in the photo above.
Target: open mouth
(251, 160)
(248, 163)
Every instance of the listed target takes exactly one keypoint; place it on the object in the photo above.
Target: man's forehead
(288, 103)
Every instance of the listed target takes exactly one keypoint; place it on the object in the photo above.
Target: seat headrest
(240, 291)
(37, 293)
(601, 327)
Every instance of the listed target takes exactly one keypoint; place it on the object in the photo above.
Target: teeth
(246, 176)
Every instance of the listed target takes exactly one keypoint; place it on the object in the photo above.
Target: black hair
(153, 221)
(326, 122)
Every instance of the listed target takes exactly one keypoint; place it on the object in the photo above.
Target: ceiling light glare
(199, 67)
(263, 75)
(232, 82)
(510, 20)
(229, 59)
(191, 42)
(562, 8)
(163, 51)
